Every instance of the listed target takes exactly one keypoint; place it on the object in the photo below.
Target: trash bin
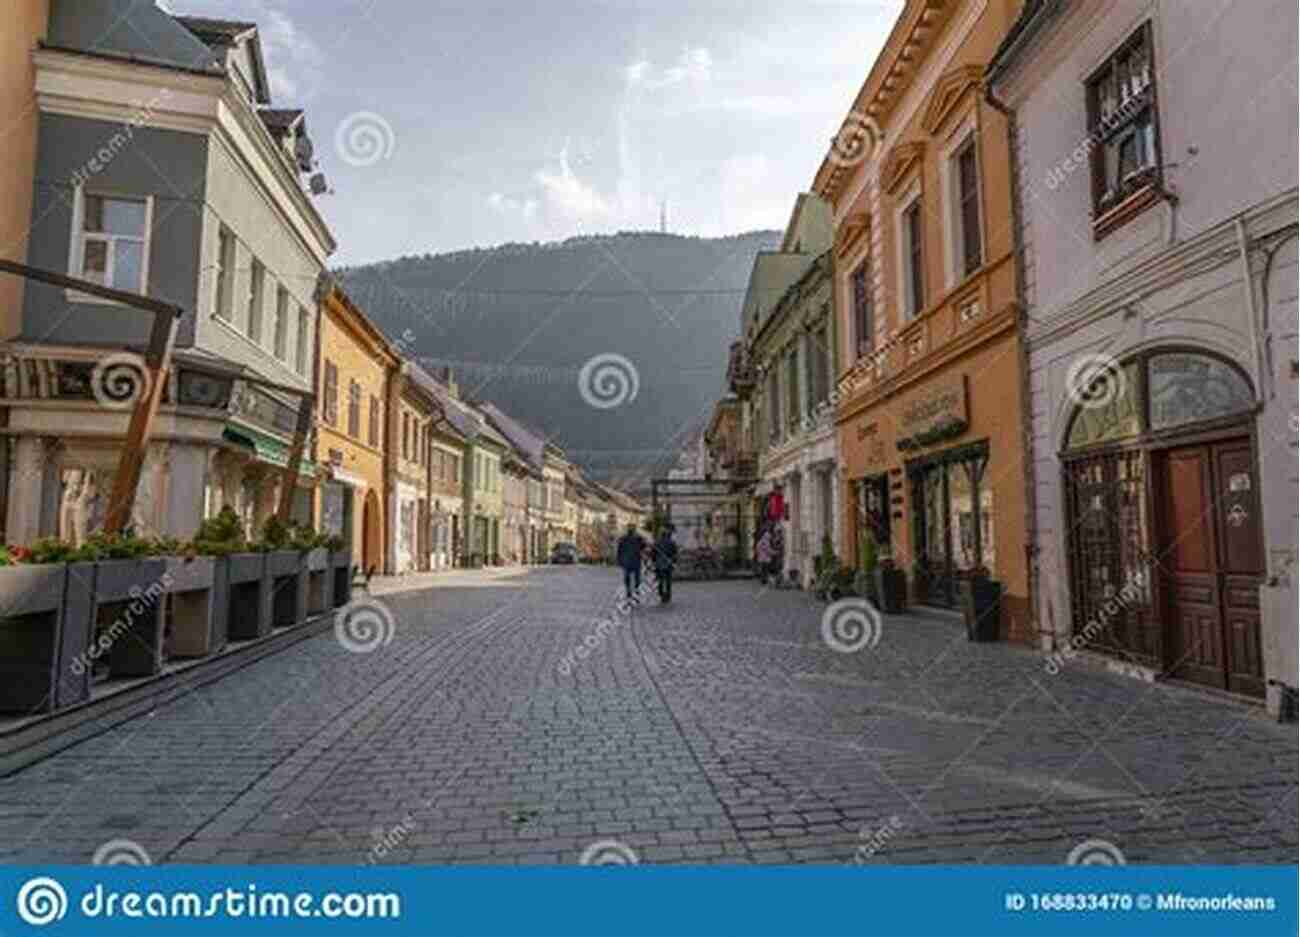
(981, 608)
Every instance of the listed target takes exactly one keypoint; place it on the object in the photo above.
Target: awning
(266, 448)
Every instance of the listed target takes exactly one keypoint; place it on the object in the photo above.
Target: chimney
(452, 390)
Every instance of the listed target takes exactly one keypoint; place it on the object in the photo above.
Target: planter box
(45, 615)
(340, 578)
(891, 589)
(129, 599)
(197, 591)
(981, 603)
(249, 589)
(286, 570)
(316, 581)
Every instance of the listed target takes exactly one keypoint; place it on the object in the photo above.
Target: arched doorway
(1164, 535)
(371, 539)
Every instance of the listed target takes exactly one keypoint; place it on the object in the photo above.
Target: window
(225, 273)
(913, 258)
(281, 322)
(304, 325)
(373, 431)
(792, 383)
(773, 405)
(256, 284)
(111, 244)
(968, 209)
(330, 394)
(1122, 123)
(406, 435)
(354, 409)
(819, 367)
(455, 469)
(863, 313)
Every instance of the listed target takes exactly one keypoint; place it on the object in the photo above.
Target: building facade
(1157, 223)
(230, 234)
(790, 334)
(929, 396)
(409, 468)
(353, 420)
(25, 26)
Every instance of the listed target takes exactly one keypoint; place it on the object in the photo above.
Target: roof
(215, 32)
(280, 120)
(530, 445)
(462, 419)
(1022, 29)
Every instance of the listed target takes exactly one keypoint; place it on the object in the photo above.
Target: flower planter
(341, 577)
(981, 601)
(45, 615)
(891, 589)
(287, 570)
(249, 588)
(128, 614)
(197, 591)
(316, 581)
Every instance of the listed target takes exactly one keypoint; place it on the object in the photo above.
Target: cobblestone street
(722, 728)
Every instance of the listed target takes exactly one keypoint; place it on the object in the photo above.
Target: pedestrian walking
(665, 558)
(631, 548)
(764, 554)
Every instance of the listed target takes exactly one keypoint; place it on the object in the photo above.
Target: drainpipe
(1026, 411)
(1243, 246)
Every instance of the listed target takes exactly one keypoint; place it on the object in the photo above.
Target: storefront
(934, 475)
(1163, 545)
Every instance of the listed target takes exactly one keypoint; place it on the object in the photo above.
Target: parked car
(564, 553)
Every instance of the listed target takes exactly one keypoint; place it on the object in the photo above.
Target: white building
(1156, 158)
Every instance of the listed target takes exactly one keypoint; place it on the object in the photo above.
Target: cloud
(565, 193)
(694, 66)
(295, 64)
(525, 208)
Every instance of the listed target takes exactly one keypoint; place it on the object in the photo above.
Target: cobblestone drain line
(289, 784)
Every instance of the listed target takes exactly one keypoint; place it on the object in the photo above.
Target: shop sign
(937, 413)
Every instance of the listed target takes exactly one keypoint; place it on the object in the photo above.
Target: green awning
(266, 448)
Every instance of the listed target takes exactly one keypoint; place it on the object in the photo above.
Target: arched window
(1155, 392)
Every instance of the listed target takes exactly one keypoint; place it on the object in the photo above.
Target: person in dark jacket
(665, 557)
(631, 547)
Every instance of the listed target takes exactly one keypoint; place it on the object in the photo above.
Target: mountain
(548, 332)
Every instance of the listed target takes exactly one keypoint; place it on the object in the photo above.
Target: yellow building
(357, 369)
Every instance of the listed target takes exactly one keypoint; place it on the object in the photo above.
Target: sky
(448, 125)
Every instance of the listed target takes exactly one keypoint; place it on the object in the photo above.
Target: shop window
(954, 519)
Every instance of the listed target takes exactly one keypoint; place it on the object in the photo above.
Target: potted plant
(130, 590)
(248, 593)
(316, 580)
(340, 571)
(891, 586)
(46, 601)
(196, 589)
(285, 572)
(981, 605)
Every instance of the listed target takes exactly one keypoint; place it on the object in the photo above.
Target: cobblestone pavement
(722, 728)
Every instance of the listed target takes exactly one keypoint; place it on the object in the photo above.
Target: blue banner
(643, 900)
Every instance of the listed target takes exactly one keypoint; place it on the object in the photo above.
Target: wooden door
(1212, 563)
(1241, 564)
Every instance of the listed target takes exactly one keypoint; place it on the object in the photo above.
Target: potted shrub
(340, 571)
(130, 591)
(196, 600)
(891, 587)
(46, 602)
(248, 593)
(981, 605)
(285, 568)
(316, 581)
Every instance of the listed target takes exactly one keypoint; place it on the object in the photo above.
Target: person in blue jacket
(631, 548)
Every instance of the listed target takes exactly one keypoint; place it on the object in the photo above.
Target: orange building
(25, 25)
(930, 393)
